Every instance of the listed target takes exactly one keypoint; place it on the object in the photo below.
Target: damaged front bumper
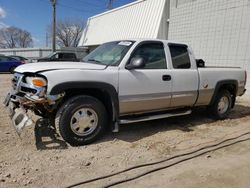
(24, 97)
(19, 116)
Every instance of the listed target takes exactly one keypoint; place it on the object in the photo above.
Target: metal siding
(218, 31)
(140, 19)
(27, 52)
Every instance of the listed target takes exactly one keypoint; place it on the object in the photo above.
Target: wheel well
(99, 94)
(232, 90)
(229, 87)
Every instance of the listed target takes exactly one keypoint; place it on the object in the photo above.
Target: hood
(40, 67)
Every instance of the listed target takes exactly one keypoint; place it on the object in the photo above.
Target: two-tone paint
(141, 90)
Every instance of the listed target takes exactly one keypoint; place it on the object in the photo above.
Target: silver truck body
(138, 91)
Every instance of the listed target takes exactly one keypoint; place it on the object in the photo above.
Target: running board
(154, 117)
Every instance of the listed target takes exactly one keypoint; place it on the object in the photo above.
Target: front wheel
(81, 120)
(222, 105)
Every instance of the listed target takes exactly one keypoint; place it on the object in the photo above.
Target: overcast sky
(35, 15)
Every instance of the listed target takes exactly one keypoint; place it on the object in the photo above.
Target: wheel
(221, 107)
(12, 70)
(81, 120)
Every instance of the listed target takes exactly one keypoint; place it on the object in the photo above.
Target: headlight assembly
(36, 81)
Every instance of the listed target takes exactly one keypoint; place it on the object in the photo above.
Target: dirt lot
(40, 158)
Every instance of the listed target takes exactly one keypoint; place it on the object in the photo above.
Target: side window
(10, 59)
(153, 54)
(55, 56)
(3, 59)
(68, 56)
(60, 56)
(180, 56)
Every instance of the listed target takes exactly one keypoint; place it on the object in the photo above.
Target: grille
(28, 90)
(15, 80)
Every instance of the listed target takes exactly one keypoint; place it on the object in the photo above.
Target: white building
(217, 30)
(140, 19)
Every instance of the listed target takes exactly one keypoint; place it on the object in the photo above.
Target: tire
(12, 70)
(222, 105)
(81, 120)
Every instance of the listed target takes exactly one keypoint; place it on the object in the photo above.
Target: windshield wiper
(98, 62)
(95, 61)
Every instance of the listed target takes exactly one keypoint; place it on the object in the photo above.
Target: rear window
(180, 56)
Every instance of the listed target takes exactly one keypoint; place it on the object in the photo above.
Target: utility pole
(47, 39)
(53, 2)
(110, 4)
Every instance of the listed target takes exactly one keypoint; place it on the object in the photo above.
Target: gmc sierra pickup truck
(121, 82)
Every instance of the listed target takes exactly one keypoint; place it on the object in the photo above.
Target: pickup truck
(121, 82)
(59, 56)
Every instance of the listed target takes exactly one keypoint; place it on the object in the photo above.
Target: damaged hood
(40, 67)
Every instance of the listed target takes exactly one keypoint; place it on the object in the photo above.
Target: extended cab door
(185, 76)
(149, 88)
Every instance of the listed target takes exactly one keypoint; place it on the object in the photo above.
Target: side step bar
(154, 117)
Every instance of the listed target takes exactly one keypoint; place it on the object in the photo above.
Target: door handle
(166, 77)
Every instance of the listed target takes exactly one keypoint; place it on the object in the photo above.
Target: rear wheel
(222, 105)
(82, 120)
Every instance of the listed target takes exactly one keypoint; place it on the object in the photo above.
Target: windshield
(50, 55)
(110, 53)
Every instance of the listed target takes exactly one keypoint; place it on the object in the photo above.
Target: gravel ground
(40, 158)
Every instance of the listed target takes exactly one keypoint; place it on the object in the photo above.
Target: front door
(149, 88)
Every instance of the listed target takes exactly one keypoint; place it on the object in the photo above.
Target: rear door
(149, 88)
(185, 76)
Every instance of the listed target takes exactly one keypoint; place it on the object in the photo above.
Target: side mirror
(200, 63)
(135, 63)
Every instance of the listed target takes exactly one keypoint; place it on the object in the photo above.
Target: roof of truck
(151, 39)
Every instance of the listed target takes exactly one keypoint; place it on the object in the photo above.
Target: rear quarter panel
(209, 77)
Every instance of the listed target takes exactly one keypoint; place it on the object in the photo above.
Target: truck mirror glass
(135, 63)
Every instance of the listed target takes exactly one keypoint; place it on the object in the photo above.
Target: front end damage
(28, 93)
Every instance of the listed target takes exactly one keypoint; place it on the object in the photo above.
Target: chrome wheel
(84, 121)
(223, 105)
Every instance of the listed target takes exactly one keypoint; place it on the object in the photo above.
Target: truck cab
(168, 78)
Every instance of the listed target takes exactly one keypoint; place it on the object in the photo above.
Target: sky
(35, 15)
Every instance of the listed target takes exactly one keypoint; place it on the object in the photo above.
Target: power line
(90, 4)
(189, 155)
(74, 8)
(77, 9)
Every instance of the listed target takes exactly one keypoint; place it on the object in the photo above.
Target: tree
(68, 32)
(13, 37)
